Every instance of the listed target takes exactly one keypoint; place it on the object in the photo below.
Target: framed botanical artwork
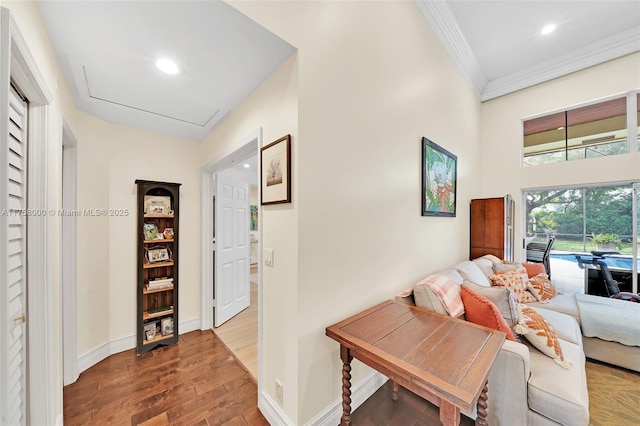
(254, 218)
(439, 180)
(275, 172)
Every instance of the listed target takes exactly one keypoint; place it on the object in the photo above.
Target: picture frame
(167, 326)
(439, 180)
(275, 172)
(158, 254)
(150, 230)
(155, 204)
(150, 330)
(254, 218)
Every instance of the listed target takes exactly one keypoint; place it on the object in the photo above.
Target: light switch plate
(268, 257)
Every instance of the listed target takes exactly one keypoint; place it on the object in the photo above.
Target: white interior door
(232, 259)
(12, 252)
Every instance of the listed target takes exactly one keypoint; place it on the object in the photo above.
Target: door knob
(21, 318)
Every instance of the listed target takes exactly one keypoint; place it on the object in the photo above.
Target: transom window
(590, 131)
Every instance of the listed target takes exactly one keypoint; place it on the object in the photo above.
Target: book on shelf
(160, 309)
(160, 283)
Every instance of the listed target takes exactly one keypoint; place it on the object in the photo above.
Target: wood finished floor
(195, 382)
(240, 333)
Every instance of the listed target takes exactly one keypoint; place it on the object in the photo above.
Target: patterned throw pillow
(480, 310)
(517, 281)
(542, 288)
(540, 334)
(448, 292)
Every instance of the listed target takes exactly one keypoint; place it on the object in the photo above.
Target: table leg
(449, 414)
(345, 355)
(481, 420)
(394, 391)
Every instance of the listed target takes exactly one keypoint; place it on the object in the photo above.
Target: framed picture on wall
(275, 172)
(439, 180)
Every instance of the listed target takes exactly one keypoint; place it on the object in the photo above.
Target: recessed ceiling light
(548, 29)
(167, 66)
(246, 165)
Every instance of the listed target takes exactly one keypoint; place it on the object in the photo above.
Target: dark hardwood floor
(196, 382)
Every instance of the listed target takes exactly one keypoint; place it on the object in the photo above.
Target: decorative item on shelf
(150, 330)
(156, 204)
(168, 233)
(167, 326)
(439, 180)
(275, 172)
(158, 254)
(159, 310)
(158, 283)
(150, 231)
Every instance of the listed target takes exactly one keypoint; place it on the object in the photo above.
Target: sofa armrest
(508, 382)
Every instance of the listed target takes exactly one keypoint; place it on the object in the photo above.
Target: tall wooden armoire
(492, 227)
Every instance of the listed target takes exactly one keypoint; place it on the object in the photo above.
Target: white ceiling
(498, 46)
(107, 50)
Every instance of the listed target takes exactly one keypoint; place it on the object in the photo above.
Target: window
(590, 131)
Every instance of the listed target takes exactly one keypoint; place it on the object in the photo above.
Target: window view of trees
(581, 218)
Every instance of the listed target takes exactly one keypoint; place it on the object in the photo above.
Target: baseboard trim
(121, 344)
(272, 411)
(331, 415)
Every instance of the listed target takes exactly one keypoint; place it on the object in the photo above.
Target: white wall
(501, 135)
(373, 80)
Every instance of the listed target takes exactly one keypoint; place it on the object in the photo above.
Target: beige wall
(372, 81)
(274, 108)
(501, 135)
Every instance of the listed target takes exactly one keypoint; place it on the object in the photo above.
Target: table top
(447, 357)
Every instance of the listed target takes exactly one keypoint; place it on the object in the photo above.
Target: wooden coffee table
(444, 360)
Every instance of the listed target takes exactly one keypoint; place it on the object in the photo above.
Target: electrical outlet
(279, 397)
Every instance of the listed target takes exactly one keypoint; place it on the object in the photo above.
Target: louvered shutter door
(15, 226)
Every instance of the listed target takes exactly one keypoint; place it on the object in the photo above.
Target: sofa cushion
(541, 287)
(557, 393)
(485, 265)
(565, 326)
(453, 274)
(501, 297)
(515, 280)
(439, 293)
(539, 332)
(563, 303)
(534, 269)
(470, 271)
(503, 267)
(480, 310)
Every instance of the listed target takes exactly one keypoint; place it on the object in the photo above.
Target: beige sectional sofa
(526, 387)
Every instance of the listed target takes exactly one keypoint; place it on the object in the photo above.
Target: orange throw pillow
(516, 281)
(534, 269)
(480, 310)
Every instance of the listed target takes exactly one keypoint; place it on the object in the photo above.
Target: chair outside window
(539, 253)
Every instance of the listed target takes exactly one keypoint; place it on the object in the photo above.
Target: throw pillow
(470, 271)
(540, 334)
(448, 292)
(534, 269)
(542, 288)
(492, 258)
(485, 265)
(480, 310)
(517, 281)
(499, 296)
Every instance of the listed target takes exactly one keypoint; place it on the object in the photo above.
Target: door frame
(69, 255)
(40, 368)
(250, 145)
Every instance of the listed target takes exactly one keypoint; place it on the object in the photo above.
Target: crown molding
(604, 50)
(445, 26)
